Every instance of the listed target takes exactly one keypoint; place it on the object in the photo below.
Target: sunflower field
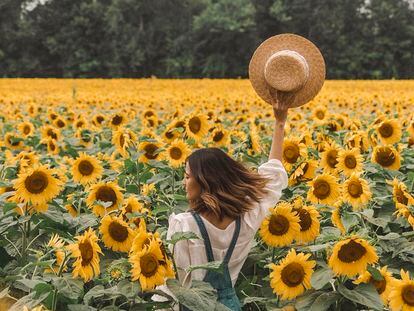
(90, 171)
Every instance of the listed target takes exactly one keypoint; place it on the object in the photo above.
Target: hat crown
(286, 71)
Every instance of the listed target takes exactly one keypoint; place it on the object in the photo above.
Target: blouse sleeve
(181, 257)
(274, 170)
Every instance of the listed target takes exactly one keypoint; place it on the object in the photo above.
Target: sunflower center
(176, 153)
(350, 161)
(60, 123)
(386, 130)
(26, 129)
(379, 285)
(322, 189)
(150, 151)
(117, 231)
(106, 194)
(122, 140)
(320, 114)
(169, 134)
(278, 225)
(305, 220)
(149, 265)
(400, 196)
(36, 183)
(291, 153)
(86, 251)
(385, 156)
(218, 136)
(293, 274)
(85, 167)
(331, 158)
(407, 294)
(51, 133)
(351, 252)
(355, 189)
(194, 124)
(116, 120)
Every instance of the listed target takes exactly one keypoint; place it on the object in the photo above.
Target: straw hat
(288, 63)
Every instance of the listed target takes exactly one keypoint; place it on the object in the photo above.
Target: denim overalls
(221, 282)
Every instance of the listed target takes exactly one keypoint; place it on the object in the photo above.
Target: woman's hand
(281, 103)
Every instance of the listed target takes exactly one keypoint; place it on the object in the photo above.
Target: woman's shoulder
(183, 221)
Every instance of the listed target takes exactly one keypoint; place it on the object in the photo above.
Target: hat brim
(292, 42)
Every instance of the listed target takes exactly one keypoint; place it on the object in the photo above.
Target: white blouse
(192, 252)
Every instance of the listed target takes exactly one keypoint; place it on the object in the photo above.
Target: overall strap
(204, 234)
(233, 241)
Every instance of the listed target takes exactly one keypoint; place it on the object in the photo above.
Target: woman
(228, 204)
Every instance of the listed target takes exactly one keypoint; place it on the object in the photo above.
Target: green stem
(273, 254)
(55, 292)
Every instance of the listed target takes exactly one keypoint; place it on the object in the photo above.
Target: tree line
(359, 39)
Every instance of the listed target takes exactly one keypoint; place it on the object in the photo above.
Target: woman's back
(192, 252)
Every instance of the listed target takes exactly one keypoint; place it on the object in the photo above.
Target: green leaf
(128, 289)
(324, 301)
(69, 287)
(130, 166)
(389, 236)
(375, 273)
(200, 296)
(349, 220)
(212, 265)
(80, 308)
(29, 301)
(96, 292)
(178, 236)
(132, 188)
(364, 294)
(305, 301)
(8, 206)
(321, 277)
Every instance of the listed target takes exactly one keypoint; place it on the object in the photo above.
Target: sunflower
(337, 221)
(324, 189)
(71, 210)
(349, 161)
(86, 169)
(196, 126)
(319, 115)
(98, 120)
(386, 156)
(293, 151)
(176, 153)
(147, 267)
(356, 192)
(309, 223)
(351, 256)
(27, 159)
(304, 172)
(122, 139)
(59, 122)
(50, 132)
(389, 131)
(329, 158)
(80, 123)
(117, 120)
(400, 195)
(147, 189)
(116, 233)
(37, 185)
(150, 151)
(410, 129)
(132, 205)
(292, 276)
(26, 128)
(220, 137)
(382, 286)
(57, 244)
(86, 252)
(107, 192)
(401, 296)
(170, 134)
(52, 147)
(281, 226)
(13, 141)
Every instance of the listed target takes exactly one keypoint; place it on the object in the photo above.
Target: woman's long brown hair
(228, 188)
